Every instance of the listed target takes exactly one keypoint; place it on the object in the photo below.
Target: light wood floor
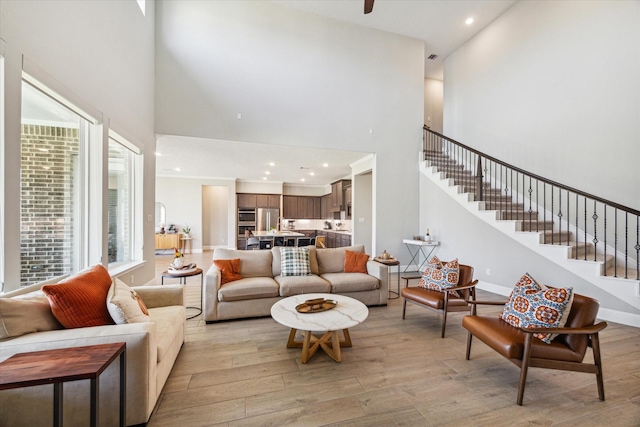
(398, 373)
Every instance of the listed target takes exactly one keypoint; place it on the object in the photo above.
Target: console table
(66, 364)
(417, 248)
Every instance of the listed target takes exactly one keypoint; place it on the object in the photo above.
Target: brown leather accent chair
(565, 352)
(441, 302)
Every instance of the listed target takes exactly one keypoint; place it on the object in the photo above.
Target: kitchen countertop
(337, 231)
(283, 233)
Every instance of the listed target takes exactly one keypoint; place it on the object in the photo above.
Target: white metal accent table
(346, 314)
(424, 248)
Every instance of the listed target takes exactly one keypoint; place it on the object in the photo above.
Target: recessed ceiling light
(177, 169)
(267, 173)
(302, 179)
(469, 21)
(271, 164)
(158, 153)
(312, 173)
(325, 165)
(264, 178)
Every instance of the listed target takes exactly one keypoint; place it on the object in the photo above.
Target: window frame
(136, 206)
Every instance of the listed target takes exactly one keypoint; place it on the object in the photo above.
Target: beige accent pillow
(125, 305)
(24, 314)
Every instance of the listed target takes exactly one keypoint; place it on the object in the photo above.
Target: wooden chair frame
(446, 309)
(528, 361)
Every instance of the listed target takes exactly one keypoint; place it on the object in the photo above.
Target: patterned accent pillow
(439, 276)
(532, 304)
(295, 261)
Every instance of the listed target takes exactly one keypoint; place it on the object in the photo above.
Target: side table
(186, 241)
(391, 262)
(415, 256)
(183, 281)
(66, 364)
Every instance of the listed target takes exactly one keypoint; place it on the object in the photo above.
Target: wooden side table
(66, 364)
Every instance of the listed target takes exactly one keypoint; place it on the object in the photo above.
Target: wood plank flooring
(398, 373)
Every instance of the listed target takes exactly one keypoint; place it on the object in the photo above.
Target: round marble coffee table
(346, 314)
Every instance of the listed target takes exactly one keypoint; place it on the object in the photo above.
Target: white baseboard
(624, 318)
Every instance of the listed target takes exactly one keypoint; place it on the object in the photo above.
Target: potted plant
(186, 230)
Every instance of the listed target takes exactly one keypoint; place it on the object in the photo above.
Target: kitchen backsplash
(318, 224)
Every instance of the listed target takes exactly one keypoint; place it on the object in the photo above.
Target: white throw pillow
(125, 305)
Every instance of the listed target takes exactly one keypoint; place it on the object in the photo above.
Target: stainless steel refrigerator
(266, 219)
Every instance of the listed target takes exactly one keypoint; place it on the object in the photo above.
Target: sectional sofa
(262, 283)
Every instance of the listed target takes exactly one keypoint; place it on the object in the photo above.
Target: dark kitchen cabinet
(268, 201)
(302, 207)
(290, 207)
(247, 201)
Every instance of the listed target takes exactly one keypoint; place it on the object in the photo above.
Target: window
(2, 166)
(124, 182)
(54, 185)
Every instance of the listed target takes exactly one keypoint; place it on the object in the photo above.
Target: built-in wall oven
(247, 215)
(246, 221)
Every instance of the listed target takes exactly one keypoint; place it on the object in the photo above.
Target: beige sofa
(152, 348)
(262, 284)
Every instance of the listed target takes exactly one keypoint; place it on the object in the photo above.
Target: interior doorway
(362, 216)
(215, 216)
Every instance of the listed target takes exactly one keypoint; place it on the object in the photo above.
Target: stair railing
(598, 229)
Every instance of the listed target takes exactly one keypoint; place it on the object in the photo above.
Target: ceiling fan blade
(368, 6)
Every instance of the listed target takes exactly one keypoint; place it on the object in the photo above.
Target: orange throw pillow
(81, 300)
(229, 269)
(355, 262)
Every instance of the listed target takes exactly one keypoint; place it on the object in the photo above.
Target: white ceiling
(212, 158)
(440, 23)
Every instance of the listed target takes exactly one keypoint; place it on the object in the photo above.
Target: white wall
(184, 199)
(297, 79)
(99, 54)
(554, 88)
(433, 98)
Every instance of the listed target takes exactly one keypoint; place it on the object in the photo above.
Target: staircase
(595, 239)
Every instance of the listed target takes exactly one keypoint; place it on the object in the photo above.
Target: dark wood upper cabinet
(290, 207)
(247, 201)
(268, 201)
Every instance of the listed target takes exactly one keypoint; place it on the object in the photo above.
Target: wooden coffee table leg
(329, 342)
(292, 343)
(347, 338)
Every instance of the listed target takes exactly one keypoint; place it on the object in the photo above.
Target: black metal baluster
(626, 245)
(637, 246)
(585, 228)
(577, 233)
(595, 231)
(605, 240)
(552, 204)
(568, 216)
(544, 207)
(530, 211)
(615, 243)
(560, 216)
